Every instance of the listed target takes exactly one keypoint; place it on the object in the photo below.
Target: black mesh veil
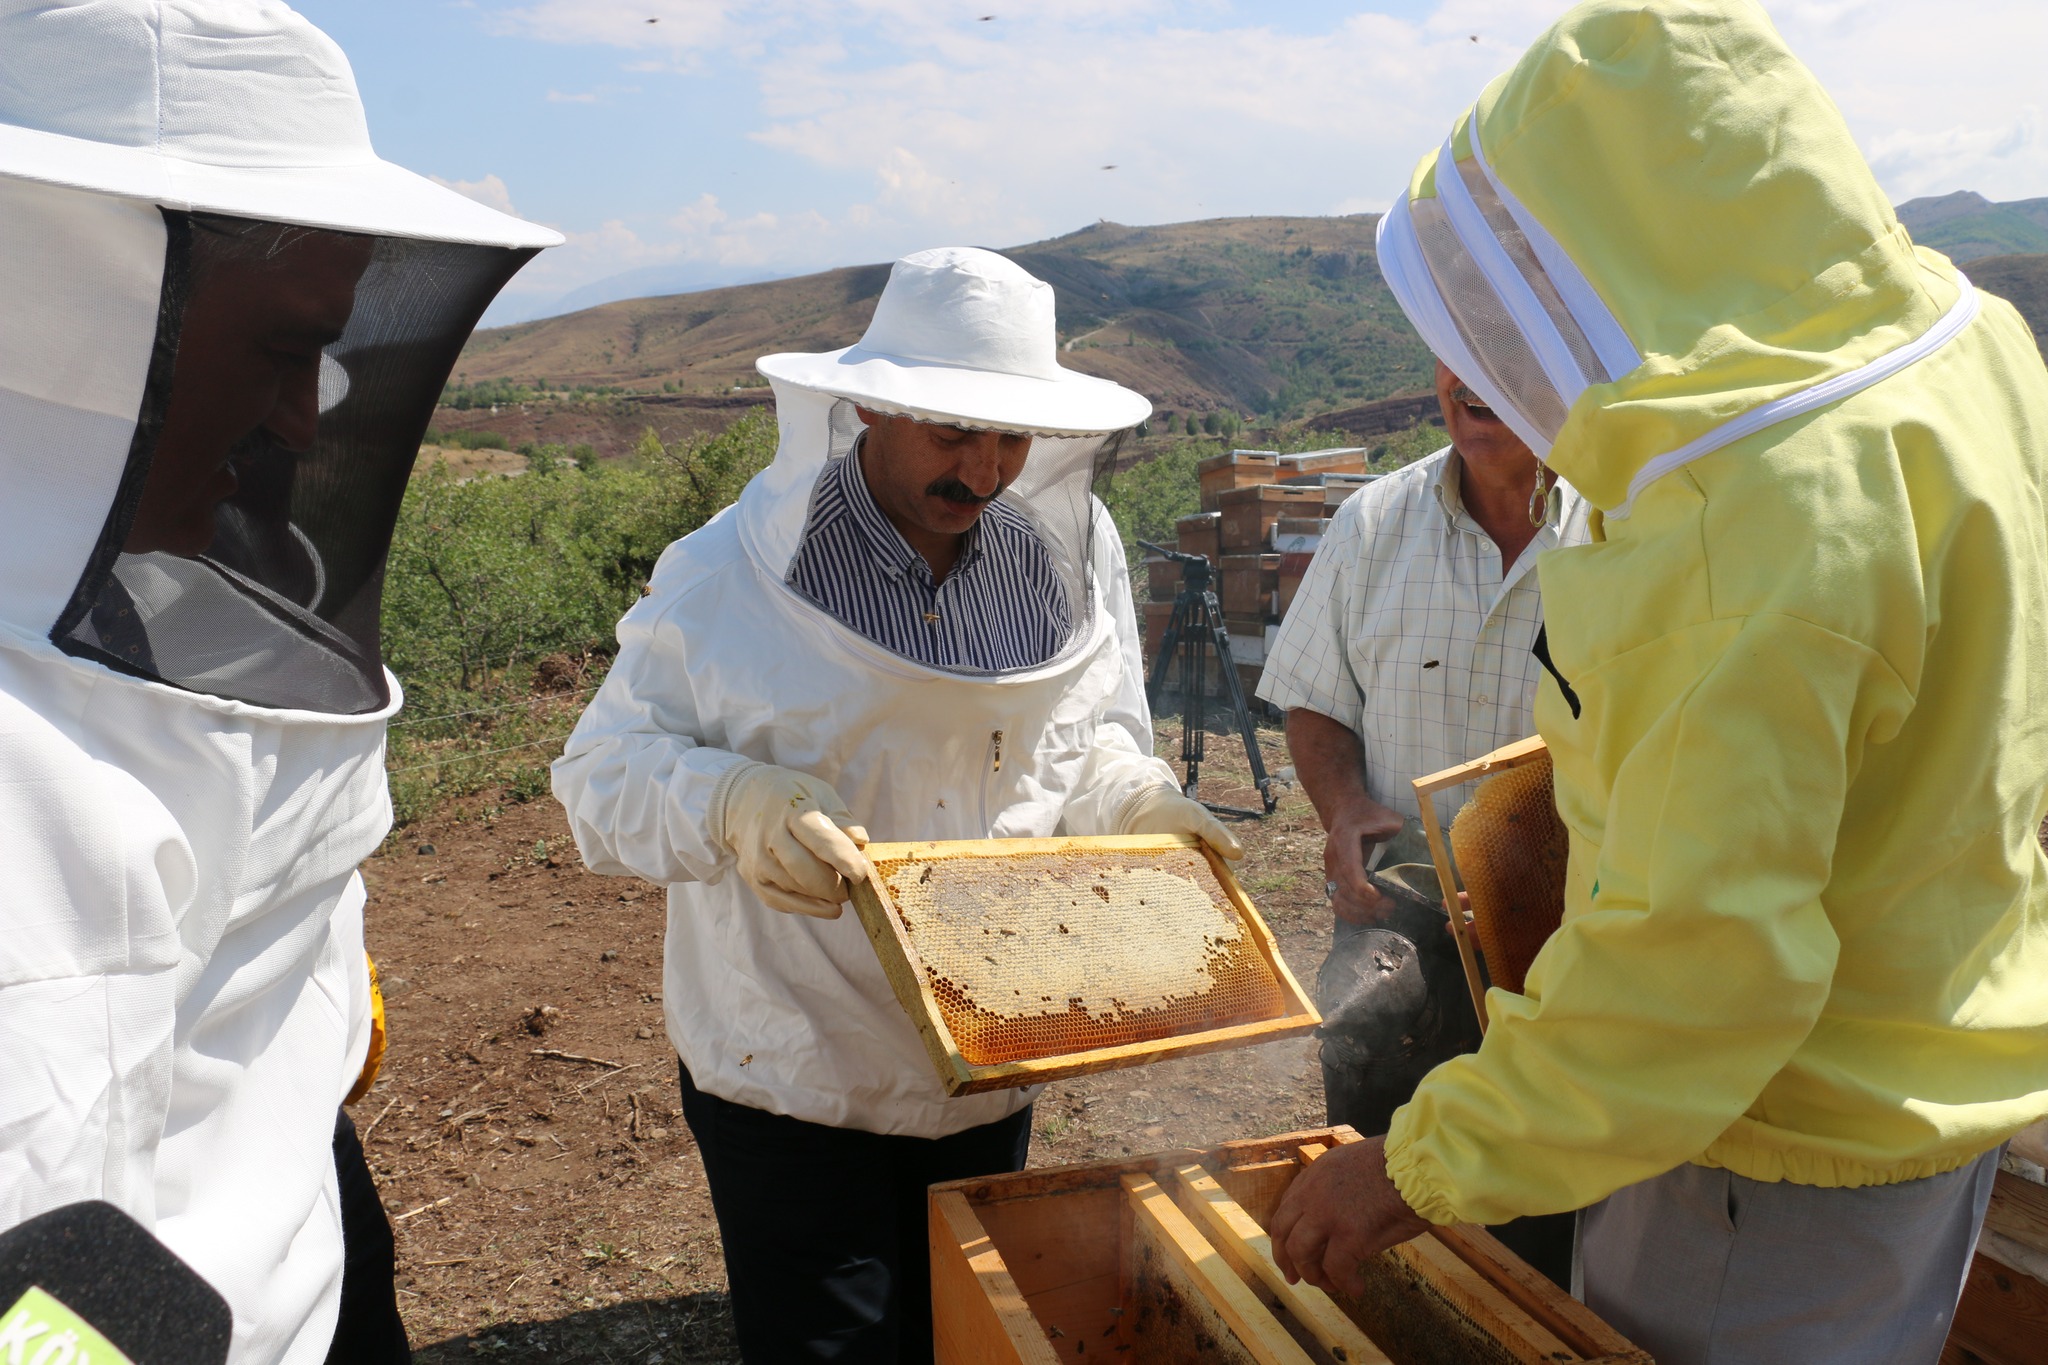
(294, 373)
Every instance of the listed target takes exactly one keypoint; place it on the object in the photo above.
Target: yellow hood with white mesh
(1804, 754)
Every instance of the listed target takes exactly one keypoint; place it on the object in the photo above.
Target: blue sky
(739, 139)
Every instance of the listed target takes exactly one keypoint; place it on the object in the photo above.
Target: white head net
(1048, 604)
(1498, 300)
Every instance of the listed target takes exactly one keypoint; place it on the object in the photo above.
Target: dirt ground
(548, 1202)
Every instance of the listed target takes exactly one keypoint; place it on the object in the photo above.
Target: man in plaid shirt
(1409, 649)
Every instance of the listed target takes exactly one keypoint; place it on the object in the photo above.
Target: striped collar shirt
(1406, 630)
(1002, 607)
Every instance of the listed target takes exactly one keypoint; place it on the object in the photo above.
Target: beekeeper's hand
(1338, 1214)
(795, 840)
(1353, 832)
(1162, 810)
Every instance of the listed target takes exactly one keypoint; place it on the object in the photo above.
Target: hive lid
(1026, 960)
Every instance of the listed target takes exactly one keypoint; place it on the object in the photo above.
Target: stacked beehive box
(1262, 516)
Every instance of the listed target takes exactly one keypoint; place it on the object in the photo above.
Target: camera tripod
(1196, 626)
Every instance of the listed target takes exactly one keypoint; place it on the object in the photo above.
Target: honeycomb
(1037, 955)
(1511, 852)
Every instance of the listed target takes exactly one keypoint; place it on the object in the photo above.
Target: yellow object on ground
(374, 1058)
(1804, 753)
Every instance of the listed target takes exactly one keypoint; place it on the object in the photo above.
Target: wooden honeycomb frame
(905, 968)
(1500, 760)
(1165, 1258)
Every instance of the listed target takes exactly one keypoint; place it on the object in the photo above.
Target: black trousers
(369, 1332)
(824, 1229)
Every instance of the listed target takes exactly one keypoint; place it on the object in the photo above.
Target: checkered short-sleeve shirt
(1405, 630)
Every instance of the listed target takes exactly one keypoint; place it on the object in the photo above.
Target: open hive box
(1164, 1260)
(1026, 960)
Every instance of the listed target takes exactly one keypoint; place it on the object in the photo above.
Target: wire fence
(525, 704)
(472, 757)
(494, 739)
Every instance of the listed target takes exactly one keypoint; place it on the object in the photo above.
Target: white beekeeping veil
(1494, 295)
(223, 325)
(226, 326)
(960, 337)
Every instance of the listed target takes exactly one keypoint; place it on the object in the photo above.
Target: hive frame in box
(1032, 1266)
(1500, 760)
(904, 967)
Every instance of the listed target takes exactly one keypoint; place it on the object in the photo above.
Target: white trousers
(1704, 1267)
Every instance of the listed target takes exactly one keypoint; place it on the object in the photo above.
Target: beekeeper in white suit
(225, 324)
(915, 624)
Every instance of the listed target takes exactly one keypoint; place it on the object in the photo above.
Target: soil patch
(525, 1131)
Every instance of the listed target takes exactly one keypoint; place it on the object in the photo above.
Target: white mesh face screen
(294, 373)
(1515, 243)
(1491, 335)
(1050, 501)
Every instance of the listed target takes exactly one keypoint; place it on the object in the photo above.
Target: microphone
(86, 1284)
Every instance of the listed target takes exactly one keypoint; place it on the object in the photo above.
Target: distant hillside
(1965, 226)
(2023, 282)
(1284, 317)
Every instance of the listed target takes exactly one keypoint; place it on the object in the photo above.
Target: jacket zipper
(995, 745)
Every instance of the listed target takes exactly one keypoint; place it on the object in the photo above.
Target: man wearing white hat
(915, 624)
(226, 322)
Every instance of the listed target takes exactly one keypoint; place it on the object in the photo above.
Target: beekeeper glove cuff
(793, 839)
(1162, 810)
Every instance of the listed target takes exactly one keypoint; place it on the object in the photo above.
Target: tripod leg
(1243, 712)
(1193, 721)
(1240, 709)
(1164, 659)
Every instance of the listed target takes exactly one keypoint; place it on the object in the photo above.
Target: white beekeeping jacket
(723, 661)
(192, 719)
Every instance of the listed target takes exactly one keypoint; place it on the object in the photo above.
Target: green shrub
(488, 393)
(492, 575)
(469, 440)
(1145, 500)
(495, 569)
(1407, 446)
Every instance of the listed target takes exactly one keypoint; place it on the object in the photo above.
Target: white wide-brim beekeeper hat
(965, 337)
(236, 107)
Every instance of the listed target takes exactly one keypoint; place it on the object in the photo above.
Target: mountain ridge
(1280, 318)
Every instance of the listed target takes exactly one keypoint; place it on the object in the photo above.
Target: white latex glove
(795, 840)
(1162, 810)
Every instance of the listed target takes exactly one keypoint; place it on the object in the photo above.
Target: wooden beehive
(2002, 1318)
(1026, 960)
(1246, 515)
(1164, 1260)
(1248, 583)
(1219, 474)
(1342, 461)
(1200, 533)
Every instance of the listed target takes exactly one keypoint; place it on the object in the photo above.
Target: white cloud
(997, 132)
(1939, 101)
(489, 191)
(603, 94)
